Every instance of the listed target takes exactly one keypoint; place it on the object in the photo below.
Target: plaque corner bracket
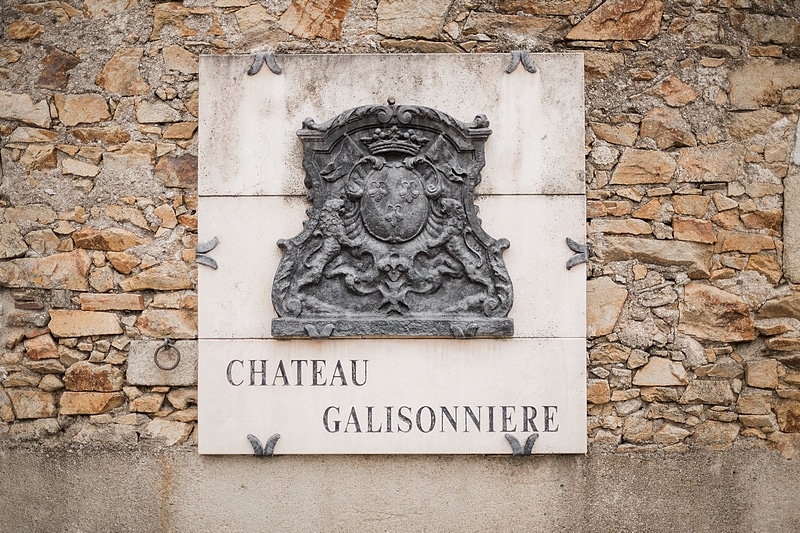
(266, 450)
(517, 450)
(262, 58)
(524, 57)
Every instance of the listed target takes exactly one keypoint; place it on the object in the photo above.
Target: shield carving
(393, 245)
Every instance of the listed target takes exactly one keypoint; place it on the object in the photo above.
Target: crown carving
(394, 140)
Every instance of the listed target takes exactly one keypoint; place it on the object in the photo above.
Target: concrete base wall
(736, 490)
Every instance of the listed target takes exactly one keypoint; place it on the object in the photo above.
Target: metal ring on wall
(168, 345)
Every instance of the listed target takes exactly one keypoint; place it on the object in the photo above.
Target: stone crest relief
(393, 245)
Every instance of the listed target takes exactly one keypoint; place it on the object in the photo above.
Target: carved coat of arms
(393, 245)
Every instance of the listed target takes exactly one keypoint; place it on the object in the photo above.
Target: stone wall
(691, 162)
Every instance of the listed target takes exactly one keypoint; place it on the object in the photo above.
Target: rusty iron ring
(168, 345)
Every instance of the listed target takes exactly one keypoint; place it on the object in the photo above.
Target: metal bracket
(521, 56)
(263, 451)
(516, 448)
(169, 344)
(581, 255)
(202, 249)
(260, 59)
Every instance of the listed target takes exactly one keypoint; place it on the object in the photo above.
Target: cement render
(178, 490)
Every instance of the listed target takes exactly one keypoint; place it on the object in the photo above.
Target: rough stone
(25, 134)
(544, 7)
(43, 242)
(46, 366)
(181, 398)
(121, 73)
(39, 157)
(108, 134)
(108, 239)
(609, 353)
(769, 219)
(715, 434)
(164, 277)
(22, 29)
(643, 166)
(93, 9)
(123, 262)
(617, 227)
(767, 265)
(21, 107)
(762, 374)
(146, 403)
(71, 323)
(620, 20)
(598, 391)
(39, 213)
(761, 82)
(407, 18)
(788, 413)
(169, 432)
(41, 347)
(111, 302)
(693, 229)
(180, 130)
(11, 242)
(155, 112)
(600, 65)
(713, 314)
(316, 18)
(720, 163)
(180, 171)
(667, 253)
(667, 128)
(89, 403)
(74, 109)
(167, 323)
(749, 243)
(744, 125)
(661, 372)
(132, 154)
(59, 271)
(637, 429)
(675, 93)
(55, 66)
(32, 403)
(51, 383)
(604, 301)
(670, 434)
(708, 392)
(176, 58)
(694, 205)
(76, 167)
(754, 402)
(87, 377)
(622, 134)
(784, 307)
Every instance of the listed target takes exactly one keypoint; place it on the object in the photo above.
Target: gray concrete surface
(178, 490)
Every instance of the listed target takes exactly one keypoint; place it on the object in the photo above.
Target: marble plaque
(386, 394)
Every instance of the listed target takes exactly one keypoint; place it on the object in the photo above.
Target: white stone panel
(248, 124)
(545, 374)
(235, 300)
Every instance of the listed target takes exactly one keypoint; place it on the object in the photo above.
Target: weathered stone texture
(21, 107)
(59, 271)
(89, 403)
(315, 18)
(68, 323)
(621, 20)
(167, 323)
(85, 376)
(643, 166)
(713, 314)
(31, 403)
(121, 73)
(604, 302)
